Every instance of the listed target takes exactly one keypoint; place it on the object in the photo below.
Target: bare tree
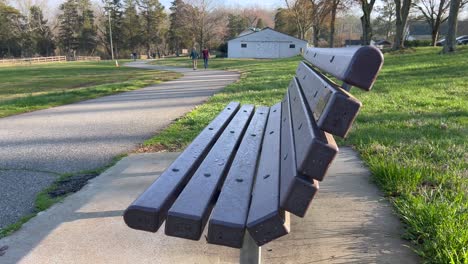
(333, 9)
(435, 13)
(402, 9)
(384, 23)
(251, 14)
(202, 20)
(301, 11)
(320, 10)
(367, 7)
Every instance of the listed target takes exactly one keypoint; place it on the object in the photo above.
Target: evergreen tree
(260, 24)
(87, 37)
(236, 24)
(284, 22)
(10, 28)
(178, 35)
(77, 32)
(131, 29)
(152, 17)
(116, 17)
(41, 34)
(69, 27)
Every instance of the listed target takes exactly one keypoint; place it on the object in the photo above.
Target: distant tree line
(24, 35)
(145, 27)
(316, 20)
(137, 26)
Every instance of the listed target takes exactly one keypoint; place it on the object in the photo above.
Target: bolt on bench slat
(188, 215)
(332, 108)
(227, 222)
(296, 191)
(266, 220)
(354, 66)
(149, 210)
(315, 149)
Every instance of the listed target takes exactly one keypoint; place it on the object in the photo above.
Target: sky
(166, 3)
(267, 4)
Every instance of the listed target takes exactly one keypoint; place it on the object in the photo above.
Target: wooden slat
(228, 219)
(315, 149)
(332, 108)
(296, 191)
(267, 221)
(188, 215)
(355, 66)
(149, 210)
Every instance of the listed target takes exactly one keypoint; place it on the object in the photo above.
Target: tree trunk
(402, 12)
(332, 24)
(435, 28)
(366, 21)
(316, 35)
(434, 35)
(366, 29)
(450, 40)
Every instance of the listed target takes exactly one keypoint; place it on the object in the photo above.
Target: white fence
(47, 60)
(87, 58)
(33, 60)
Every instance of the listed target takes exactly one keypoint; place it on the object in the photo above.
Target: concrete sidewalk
(349, 222)
(35, 147)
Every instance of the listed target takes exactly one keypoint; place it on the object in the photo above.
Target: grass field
(412, 133)
(29, 88)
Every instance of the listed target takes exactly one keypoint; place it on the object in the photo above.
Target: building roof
(383, 42)
(266, 34)
(353, 42)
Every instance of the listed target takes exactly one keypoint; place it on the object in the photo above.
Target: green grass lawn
(33, 87)
(412, 132)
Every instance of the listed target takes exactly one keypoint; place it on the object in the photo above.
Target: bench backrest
(356, 66)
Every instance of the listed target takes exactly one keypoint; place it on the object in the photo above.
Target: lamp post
(110, 30)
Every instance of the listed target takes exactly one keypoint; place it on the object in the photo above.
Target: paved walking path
(36, 146)
(349, 222)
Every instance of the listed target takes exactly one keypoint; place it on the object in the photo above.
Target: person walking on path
(206, 56)
(194, 57)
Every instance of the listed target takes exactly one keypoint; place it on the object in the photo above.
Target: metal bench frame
(292, 145)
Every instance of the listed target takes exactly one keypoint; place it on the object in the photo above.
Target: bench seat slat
(315, 149)
(267, 221)
(149, 210)
(188, 215)
(296, 191)
(227, 222)
(354, 66)
(333, 108)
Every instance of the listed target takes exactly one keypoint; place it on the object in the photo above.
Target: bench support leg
(346, 86)
(250, 253)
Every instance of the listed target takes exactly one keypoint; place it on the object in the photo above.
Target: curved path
(35, 147)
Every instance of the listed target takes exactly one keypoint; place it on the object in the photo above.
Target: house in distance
(265, 44)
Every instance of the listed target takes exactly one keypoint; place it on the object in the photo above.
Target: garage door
(266, 50)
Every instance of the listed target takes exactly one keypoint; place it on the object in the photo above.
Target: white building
(265, 44)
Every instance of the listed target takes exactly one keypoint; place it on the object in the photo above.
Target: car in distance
(460, 40)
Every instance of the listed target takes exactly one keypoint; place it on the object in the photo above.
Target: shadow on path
(349, 222)
(88, 134)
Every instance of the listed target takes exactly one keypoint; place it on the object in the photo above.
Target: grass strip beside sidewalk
(412, 133)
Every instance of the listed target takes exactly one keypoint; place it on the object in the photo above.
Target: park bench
(251, 167)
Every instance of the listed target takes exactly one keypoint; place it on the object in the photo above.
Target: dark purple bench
(252, 166)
